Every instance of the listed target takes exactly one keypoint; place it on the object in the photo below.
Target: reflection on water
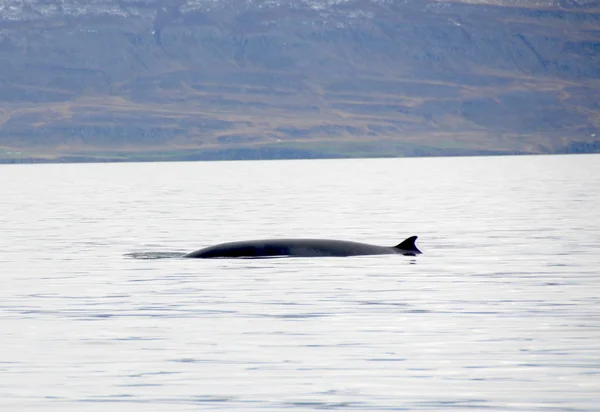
(501, 312)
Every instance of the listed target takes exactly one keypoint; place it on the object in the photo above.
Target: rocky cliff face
(234, 78)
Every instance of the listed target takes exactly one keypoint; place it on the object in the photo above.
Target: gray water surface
(500, 313)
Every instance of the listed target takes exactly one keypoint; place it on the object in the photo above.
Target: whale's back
(300, 248)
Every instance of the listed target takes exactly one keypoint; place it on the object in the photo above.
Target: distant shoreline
(219, 156)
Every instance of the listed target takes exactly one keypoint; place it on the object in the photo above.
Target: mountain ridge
(216, 77)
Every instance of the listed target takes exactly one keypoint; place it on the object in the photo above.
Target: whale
(272, 248)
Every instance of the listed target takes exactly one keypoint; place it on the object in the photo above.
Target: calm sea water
(501, 312)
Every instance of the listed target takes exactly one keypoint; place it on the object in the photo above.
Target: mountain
(227, 79)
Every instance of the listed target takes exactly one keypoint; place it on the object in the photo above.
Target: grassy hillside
(161, 79)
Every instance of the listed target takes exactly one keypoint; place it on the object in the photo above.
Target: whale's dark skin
(302, 248)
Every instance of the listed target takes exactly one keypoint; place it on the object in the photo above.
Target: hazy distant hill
(153, 79)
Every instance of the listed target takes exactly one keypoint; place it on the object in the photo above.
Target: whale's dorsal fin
(408, 245)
